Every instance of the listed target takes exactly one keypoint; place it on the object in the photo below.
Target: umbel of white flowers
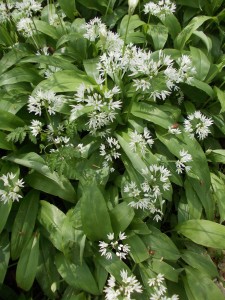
(132, 5)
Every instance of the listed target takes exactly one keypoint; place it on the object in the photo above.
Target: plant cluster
(111, 132)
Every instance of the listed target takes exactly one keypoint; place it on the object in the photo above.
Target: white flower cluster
(160, 9)
(28, 7)
(58, 137)
(102, 106)
(35, 127)
(149, 194)
(123, 290)
(144, 70)
(11, 188)
(26, 26)
(114, 245)
(44, 99)
(198, 124)
(110, 152)
(5, 12)
(95, 29)
(140, 141)
(181, 166)
(160, 289)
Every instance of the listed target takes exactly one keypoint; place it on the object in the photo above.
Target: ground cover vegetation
(112, 162)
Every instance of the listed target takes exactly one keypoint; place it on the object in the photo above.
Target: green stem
(107, 9)
(125, 38)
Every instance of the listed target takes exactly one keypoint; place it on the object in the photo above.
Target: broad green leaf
(221, 97)
(195, 207)
(216, 156)
(92, 223)
(199, 176)
(134, 22)
(138, 250)
(24, 223)
(9, 121)
(200, 62)
(100, 5)
(159, 34)
(69, 7)
(159, 266)
(218, 192)
(76, 275)
(201, 262)
(203, 232)
(134, 158)
(113, 266)
(52, 219)
(202, 287)
(44, 180)
(206, 88)
(47, 29)
(50, 60)
(27, 264)
(12, 57)
(64, 81)
(161, 245)
(206, 40)
(164, 115)
(121, 217)
(139, 227)
(101, 275)
(4, 255)
(186, 33)
(47, 274)
(4, 144)
(20, 74)
(173, 25)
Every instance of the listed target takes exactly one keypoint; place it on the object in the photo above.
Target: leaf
(138, 250)
(24, 222)
(186, 33)
(47, 274)
(121, 216)
(195, 207)
(216, 156)
(134, 22)
(64, 81)
(94, 202)
(206, 88)
(52, 219)
(221, 97)
(4, 144)
(203, 232)
(173, 25)
(218, 193)
(44, 180)
(201, 262)
(4, 255)
(20, 74)
(27, 264)
(161, 245)
(201, 63)
(9, 121)
(78, 276)
(159, 34)
(69, 7)
(159, 266)
(202, 287)
(206, 40)
(47, 29)
(163, 116)
(100, 5)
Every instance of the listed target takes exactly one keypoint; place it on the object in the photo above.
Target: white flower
(123, 290)
(11, 188)
(181, 163)
(174, 129)
(94, 28)
(110, 149)
(159, 289)
(5, 12)
(115, 245)
(26, 27)
(161, 9)
(132, 5)
(198, 124)
(140, 142)
(36, 127)
(27, 7)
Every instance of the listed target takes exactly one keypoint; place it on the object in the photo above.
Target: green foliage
(112, 149)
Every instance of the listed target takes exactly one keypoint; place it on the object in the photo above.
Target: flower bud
(132, 5)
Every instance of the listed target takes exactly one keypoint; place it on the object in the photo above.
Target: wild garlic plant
(111, 113)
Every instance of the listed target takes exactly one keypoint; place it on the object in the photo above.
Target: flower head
(11, 189)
